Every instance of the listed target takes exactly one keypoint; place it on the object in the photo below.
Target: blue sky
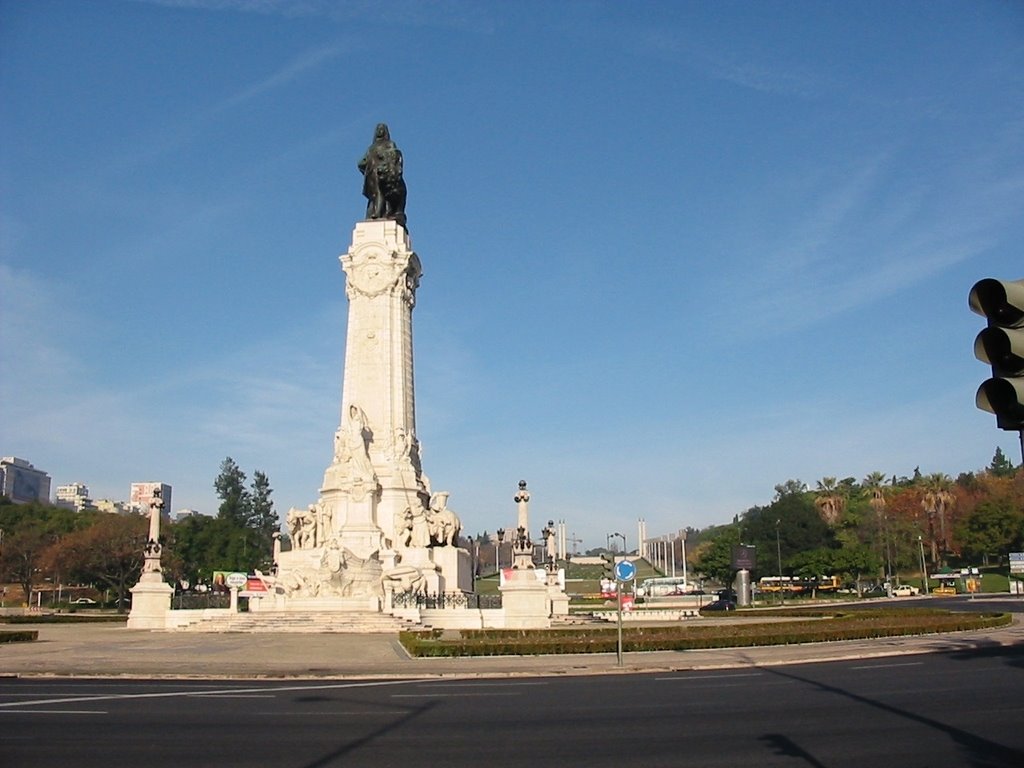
(674, 253)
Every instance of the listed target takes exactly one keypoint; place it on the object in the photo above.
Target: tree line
(46, 543)
(875, 527)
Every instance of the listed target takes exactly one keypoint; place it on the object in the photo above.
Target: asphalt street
(947, 709)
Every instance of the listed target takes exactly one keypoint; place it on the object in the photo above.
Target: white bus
(664, 585)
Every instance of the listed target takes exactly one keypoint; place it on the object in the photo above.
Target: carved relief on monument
(445, 525)
(345, 575)
(374, 272)
(340, 573)
(302, 527)
(405, 578)
(351, 447)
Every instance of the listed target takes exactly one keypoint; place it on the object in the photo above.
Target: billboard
(744, 557)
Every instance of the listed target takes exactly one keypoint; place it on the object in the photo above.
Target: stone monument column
(375, 475)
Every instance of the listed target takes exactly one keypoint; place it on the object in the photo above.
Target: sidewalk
(103, 650)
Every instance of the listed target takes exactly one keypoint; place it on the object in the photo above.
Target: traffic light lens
(1004, 397)
(1001, 345)
(1001, 302)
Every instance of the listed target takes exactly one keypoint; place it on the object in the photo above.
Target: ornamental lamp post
(924, 568)
(778, 552)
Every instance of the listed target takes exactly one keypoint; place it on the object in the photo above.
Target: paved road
(937, 710)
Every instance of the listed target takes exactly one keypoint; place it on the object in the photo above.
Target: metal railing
(445, 600)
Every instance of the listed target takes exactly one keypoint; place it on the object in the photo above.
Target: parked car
(84, 601)
(723, 604)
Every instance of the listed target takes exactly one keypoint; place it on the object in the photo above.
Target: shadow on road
(786, 746)
(985, 648)
(352, 746)
(975, 750)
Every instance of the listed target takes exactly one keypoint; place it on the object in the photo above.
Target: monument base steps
(348, 622)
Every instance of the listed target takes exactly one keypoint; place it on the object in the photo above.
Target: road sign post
(625, 572)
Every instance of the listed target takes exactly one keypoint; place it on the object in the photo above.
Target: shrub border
(819, 626)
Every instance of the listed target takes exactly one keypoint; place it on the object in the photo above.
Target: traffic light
(1001, 345)
(608, 565)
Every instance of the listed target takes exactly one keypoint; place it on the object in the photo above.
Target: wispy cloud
(453, 14)
(184, 130)
(861, 233)
(743, 68)
(283, 76)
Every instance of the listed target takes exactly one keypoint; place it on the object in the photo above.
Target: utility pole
(574, 541)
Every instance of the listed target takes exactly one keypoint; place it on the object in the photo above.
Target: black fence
(446, 600)
(191, 601)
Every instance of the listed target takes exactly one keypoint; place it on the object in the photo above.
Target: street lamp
(623, 541)
(682, 536)
(924, 569)
(497, 550)
(778, 552)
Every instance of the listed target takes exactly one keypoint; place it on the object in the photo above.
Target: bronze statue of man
(383, 184)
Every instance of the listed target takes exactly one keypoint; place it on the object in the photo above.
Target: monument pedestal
(525, 601)
(151, 602)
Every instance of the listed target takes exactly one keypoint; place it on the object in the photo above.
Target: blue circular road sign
(625, 570)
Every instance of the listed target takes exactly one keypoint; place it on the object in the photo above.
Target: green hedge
(819, 627)
(19, 636)
(65, 618)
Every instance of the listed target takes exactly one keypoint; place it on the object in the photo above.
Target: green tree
(812, 563)
(262, 516)
(202, 545)
(30, 531)
(1001, 466)
(234, 498)
(715, 558)
(992, 530)
(852, 562)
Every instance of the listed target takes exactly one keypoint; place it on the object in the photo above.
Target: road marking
(448, 695)
(338, 713)
(887, 666)
(725, 676)
(482, 683)
(212, 692)
(53, 711)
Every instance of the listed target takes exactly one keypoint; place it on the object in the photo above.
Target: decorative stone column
(151, 597)
(524, 597)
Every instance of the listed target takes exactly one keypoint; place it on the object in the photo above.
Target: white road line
(211, 692)
(481, 684)
(724, 676)
(340, 713)
(53, 711)
(449, 695)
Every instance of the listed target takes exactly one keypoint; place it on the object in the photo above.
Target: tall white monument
(377, 527)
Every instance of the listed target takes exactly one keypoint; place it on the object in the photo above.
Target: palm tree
(830, 501)
(873, 485)
(937, 501)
